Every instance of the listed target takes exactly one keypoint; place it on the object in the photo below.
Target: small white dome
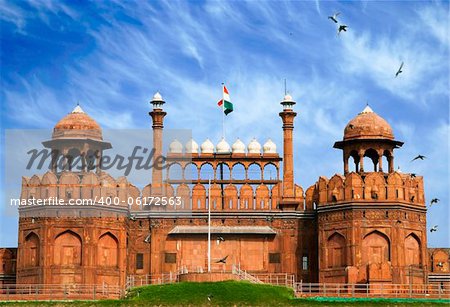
(157, 97)
(191, 146)
(287, 97)
(223, 146)
(254, 147)
(269, 147)
(175, 147)
(207, 147)
(238, 146)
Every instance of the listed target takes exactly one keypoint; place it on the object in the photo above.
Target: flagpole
(209, 225)
(223, 111)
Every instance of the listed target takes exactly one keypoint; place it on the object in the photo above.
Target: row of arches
(375, 248)
(223, 171)
(68, 250)
(362, 160)
(373, 186)
(226, 197)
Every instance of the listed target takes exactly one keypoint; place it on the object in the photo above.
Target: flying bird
(342, 28)
(434, 228)
(399, 222)
(440, 264)
(413, 175)
(419, 157)
(434, 201)
(399, 71)
(334, 17)
(223, 260)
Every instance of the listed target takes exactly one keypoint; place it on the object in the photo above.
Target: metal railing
(151, 279)
(59, 292)
(435, 291)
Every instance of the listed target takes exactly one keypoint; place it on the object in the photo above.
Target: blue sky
(111, 56)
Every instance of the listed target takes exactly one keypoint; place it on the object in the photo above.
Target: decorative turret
(368, 135)
(77, 138)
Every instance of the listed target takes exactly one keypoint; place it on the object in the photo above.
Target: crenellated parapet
(375, 187)
(75, 185)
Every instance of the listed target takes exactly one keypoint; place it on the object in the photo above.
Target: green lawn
(227, 293)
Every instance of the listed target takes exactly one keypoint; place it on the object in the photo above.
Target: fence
(435, 291)
(59, 292)
(151, 279)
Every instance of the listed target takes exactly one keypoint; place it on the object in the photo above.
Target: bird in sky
(342, 28)
(413, 175)
(399, 71)
(334, 17)
(434, 228)
(434, 201)
(419, 157)
(223, 260)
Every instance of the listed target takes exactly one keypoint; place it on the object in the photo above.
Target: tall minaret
(158, 124)
(287, 116)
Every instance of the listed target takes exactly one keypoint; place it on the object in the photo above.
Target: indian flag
(225, 103)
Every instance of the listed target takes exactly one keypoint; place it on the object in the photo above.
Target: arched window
(270, 172)
(223, 172)
(336, 251)
(108, 250)
(67, 250)
(353, 161)
(370, 160)
(191, 172)
(206, 171)
(175, 172)
(238, 171)
(412, 250)
(31, 250)
(375, 248)
(254, 172)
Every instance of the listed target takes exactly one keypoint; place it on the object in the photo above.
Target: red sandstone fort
(361, 227)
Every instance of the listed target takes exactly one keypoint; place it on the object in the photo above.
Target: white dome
(254, 147)
(175, 147)
(223, 146)
(157, 97)
(287, 97)
(207, 147)
(238, 146)
(191, 146)
(269, 147)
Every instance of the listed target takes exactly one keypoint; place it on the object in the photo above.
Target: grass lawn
(227, 293)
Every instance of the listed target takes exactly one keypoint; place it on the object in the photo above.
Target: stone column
(157, 178)
(288, 152)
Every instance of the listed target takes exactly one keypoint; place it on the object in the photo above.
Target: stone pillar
(346, 158)
(391, 164)
(361, 161)
(288, 152)
(380, 163)
(158, 124)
